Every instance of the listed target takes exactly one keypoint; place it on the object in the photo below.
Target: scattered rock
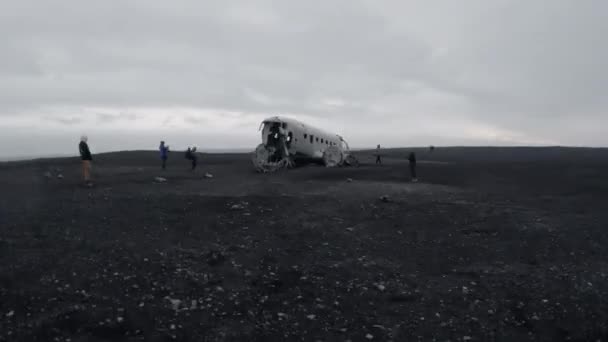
(466, 338)
(380, 287)
(160, 179)
(60, 176)
(311, 317)
(350, 229)
(10, 313)
(349, 180)
(215, 258)
(175, 303)
(237, 206)
(385, 198)
(369, 336)
(208, 175)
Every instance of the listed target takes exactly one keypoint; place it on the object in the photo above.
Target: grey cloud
(168, 120)
(192, 119)
(538, 58)
(295, 59)
(110, 118)
(64, 120)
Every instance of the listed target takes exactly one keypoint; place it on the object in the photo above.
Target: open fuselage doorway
(278, 140)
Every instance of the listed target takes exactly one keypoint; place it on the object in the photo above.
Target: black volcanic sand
(491, 245)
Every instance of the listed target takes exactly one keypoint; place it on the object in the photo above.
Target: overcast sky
(396, 73)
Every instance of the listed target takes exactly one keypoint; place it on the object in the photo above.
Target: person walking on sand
(412, 160)
(378, 159)
(164, 153)
(87, 158)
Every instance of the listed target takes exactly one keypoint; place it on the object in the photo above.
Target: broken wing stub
(348, 159)
(333, 156)
(264, 161)
(351, 160)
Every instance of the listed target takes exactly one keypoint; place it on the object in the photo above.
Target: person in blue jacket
(164, 153)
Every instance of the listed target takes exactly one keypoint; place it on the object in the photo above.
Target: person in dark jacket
(86, 157)
(164, 153)
(412, 160)
(191, 155)
(378, 159)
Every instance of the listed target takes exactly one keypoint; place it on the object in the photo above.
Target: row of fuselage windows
(312, 138)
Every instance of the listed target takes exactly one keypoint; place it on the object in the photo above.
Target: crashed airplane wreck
(287, 142)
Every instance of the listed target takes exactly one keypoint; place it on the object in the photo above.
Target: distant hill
(33, 157)
(499, 154)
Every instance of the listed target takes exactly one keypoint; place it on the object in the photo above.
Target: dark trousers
(164, 162)
(378, 160)
(193, 163)
(413, 169)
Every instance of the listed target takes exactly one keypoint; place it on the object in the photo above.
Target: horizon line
(240, 150)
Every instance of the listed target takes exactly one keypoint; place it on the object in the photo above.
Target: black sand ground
(491, 245)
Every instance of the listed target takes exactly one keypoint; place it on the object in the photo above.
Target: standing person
(194, 159)
(191, 155)
(164, 151)
(87, 158)
(412, 159)
(378, 159)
